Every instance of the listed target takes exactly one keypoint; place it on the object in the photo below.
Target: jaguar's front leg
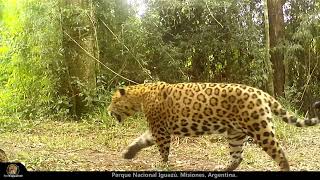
(163, 139)
(163, 142)
(236, 142)
(145, 140)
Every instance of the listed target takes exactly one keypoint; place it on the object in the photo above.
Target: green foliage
(302, 53)
(30, 52)
(122, 44)
(173, 41)
(222, 33)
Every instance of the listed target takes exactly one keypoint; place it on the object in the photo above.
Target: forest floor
(47, 145)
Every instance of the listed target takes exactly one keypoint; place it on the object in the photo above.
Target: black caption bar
(17, 170)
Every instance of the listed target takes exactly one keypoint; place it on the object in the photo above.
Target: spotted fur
(194, 109)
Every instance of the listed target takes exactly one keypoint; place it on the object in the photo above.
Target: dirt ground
(78, 146)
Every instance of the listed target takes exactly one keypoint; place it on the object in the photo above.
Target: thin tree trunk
(198, 67)
(78, 31)
(269, 71)
(276, 33)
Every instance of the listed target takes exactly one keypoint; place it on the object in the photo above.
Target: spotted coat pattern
(195, 109)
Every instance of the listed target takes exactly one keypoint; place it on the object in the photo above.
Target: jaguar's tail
(290, 118)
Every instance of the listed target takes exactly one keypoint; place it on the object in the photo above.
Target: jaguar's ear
(122, 91)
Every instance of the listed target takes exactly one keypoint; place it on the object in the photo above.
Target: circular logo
(12, 169)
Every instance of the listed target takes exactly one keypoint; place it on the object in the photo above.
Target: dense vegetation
(61, 59)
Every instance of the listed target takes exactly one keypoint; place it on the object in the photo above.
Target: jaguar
(194, 109)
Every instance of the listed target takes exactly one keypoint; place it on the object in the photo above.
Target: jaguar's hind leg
(271, 146)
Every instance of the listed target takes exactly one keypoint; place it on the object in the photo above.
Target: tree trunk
(269, 71)
(80, 77)
(198, 67)
(276, 33)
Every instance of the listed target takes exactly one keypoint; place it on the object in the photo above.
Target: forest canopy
(62, 59)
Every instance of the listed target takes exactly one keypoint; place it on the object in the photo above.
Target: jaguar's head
(122, 105)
